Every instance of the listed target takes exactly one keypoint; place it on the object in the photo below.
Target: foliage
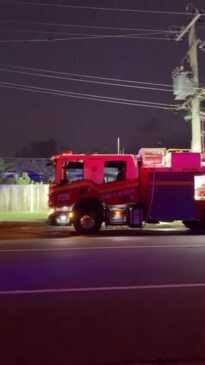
(4, 167)
(24, 179)
(1, 169)
(11, 180)
(8, 177)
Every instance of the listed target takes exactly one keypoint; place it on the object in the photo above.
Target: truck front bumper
(60, 216)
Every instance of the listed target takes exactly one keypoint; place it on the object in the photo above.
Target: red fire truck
(155, 185)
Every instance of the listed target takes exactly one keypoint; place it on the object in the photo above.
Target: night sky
(85, 125)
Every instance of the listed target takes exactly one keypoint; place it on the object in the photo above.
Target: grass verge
(22, 216)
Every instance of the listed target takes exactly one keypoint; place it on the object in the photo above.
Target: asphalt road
(111, 299)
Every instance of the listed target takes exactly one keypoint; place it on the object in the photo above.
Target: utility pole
(196, 143)
(195, 102)
(118, 145)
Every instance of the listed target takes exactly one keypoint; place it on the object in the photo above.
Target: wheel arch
(88, 203)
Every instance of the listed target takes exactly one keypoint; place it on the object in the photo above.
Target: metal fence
(24, 198)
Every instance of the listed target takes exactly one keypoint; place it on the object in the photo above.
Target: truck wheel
(87, 221)
(52, 221)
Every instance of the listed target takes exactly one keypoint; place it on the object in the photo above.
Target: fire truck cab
(153, 186)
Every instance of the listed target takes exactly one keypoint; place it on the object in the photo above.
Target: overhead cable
(86, 96)
(154, 12)
(88, 26)
(86, 80)
(84, 76)
(91, 37)
(80, 34)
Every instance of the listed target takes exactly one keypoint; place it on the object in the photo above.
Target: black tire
(87, 221)
(52, 221)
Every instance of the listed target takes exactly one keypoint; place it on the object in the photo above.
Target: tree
(38, 149)
(4, 167)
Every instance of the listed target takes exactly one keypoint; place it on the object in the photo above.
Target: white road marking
(97, 248)
(103, 289)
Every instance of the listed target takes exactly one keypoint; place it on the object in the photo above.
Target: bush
(24, 179)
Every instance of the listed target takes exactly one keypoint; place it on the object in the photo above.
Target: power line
(83, 94)
(88, 96)
(77, 38)
(152, 38)
(91, 37)
(76, 34)
(86, 80)
(90, 26)
(15, 30)
(84, 76)
(60, 39)
(154, 12)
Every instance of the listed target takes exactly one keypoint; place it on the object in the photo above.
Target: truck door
(116, 187)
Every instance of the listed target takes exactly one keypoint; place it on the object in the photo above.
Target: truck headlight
(62, 218)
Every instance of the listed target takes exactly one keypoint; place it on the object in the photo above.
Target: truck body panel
(155, 185)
